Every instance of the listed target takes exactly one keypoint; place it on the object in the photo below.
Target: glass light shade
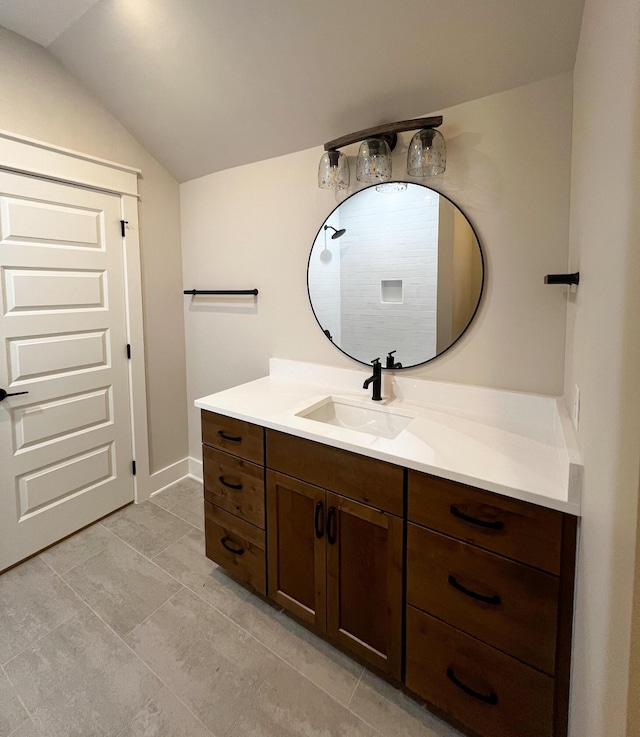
(333, 171)
(373, 164)
(427, 154)
(391, 187)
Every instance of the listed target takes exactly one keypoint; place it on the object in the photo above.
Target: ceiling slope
(42, 20)
(206, 85)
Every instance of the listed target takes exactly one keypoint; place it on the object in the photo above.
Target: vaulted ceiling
(206, 85)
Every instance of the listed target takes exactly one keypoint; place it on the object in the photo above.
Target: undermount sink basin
(379, 420)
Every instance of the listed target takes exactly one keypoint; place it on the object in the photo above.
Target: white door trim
(28, 156)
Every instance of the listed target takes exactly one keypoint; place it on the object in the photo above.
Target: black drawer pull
(495, 600)
(235, 551)
(331, 533)
(474, 521)
(491, 699)
(228, 485)
(231, 438)
(316, 521)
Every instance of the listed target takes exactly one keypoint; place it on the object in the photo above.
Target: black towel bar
(220, 291)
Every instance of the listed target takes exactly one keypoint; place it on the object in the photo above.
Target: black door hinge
(133, 467)
(122, 224)
(129, 350)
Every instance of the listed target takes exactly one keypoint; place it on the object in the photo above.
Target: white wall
(253, 226)
(603, 354)
(39, 99)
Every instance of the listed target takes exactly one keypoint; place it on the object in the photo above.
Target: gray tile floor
(127, 630)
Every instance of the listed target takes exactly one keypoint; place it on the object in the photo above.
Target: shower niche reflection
(395, 270)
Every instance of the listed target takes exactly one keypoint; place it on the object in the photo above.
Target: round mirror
(395, 269)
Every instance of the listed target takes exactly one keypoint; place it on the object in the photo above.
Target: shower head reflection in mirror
(325, 256)
(336, 233)
(414, 237)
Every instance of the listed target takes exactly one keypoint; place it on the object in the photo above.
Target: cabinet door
(364, 582)
(296, 547)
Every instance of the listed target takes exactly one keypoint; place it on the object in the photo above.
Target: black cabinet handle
(495, 600)
(491, 699)
(228, 485)
(474, 521)
(331, 533)
(235, 551)
(231, 438)
(316, 521)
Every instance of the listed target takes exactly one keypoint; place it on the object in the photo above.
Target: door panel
(60, 418)
(297, 559)
(65, 447)
(53, 484)
(38, 290)
(50, 224)
(361, 587)
(44, 357)
(364, 582)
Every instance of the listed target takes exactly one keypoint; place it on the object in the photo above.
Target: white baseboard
(195, 468)
(168, 475)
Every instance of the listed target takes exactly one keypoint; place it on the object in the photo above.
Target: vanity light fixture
(427, 153)
(373, 164)
(333, 170)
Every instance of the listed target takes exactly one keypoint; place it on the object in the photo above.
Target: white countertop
(519, 445)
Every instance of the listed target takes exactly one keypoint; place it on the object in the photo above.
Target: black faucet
(376, 379)
(390, 363)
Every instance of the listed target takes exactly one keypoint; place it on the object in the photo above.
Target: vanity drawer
(237, 546)
(234, 436)
(234, 484)
(508, 605)
(479, 686)
(519, 530)
(367, 480)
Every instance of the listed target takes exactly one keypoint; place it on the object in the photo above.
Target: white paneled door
(65, 446)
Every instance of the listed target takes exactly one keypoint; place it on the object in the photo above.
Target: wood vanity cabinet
(335, 560)
(478, 586)
(489, 608)
(233, 470)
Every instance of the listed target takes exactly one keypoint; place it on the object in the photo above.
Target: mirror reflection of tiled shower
(388, 274)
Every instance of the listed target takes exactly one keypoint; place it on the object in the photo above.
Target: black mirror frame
(475, 311)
